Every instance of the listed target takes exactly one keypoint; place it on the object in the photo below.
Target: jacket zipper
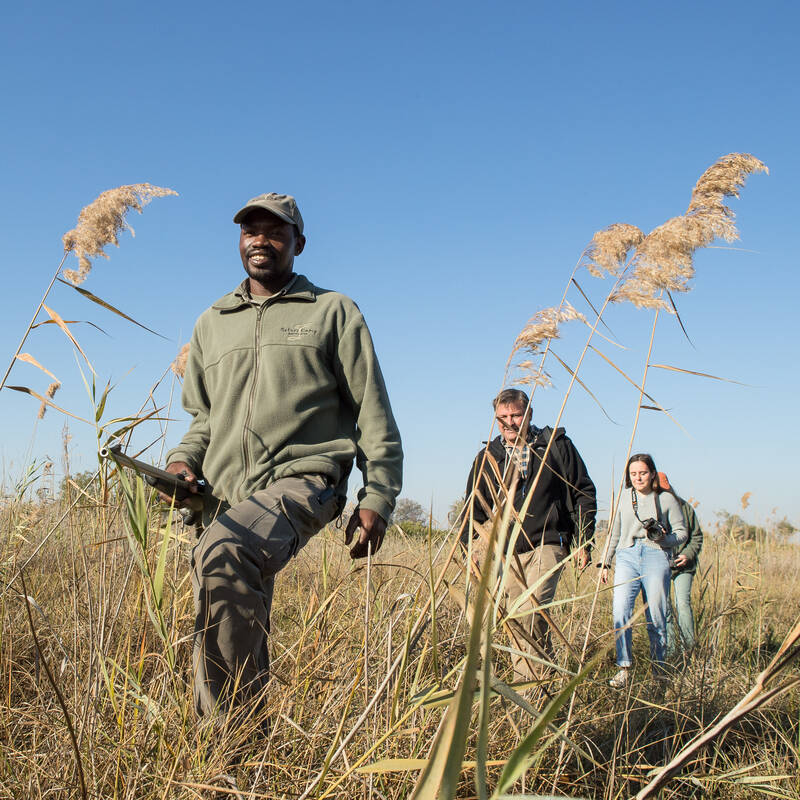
(525, 488)
(253, 385)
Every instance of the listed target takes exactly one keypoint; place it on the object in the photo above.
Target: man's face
(511, 419)
(268, 246)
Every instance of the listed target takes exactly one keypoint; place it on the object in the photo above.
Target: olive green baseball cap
(281, 205)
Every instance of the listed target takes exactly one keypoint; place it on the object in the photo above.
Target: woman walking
(684, 566)
(648, 524)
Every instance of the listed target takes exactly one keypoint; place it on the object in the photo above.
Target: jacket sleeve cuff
(373, 502)
(185, 456)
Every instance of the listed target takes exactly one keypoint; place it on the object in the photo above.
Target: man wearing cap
(285, 391)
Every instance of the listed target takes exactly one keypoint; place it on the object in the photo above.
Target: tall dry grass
(348, 690)
(391, 677)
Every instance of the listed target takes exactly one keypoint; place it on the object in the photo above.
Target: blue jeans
(641, 569)
(682, 583)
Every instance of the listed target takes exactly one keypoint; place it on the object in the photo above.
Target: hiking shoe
(620, 680)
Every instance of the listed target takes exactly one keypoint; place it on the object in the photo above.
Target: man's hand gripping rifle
(187, 496)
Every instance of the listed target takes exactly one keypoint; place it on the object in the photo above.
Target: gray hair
(511, 397)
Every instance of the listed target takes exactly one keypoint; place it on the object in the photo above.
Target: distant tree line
(734, 526)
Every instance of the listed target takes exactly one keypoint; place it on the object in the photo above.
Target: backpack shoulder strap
(661, 518)
(547, 432)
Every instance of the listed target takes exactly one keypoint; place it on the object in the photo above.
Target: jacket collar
(298, 288)
(498, 443)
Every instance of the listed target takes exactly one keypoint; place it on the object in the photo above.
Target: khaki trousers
(535, 564)
(234, 564)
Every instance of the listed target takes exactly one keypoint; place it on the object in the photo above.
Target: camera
(655, 530)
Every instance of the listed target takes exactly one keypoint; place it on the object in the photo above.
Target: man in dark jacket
(559, 509)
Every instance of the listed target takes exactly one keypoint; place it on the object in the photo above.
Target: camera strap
(635, 504)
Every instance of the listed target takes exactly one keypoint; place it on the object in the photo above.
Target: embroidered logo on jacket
(298, 332)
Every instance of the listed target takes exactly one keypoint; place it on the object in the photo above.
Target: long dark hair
(647, 460)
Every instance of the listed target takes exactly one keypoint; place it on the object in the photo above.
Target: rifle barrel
(154, 475)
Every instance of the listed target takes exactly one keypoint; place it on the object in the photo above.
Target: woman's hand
(604, 575)
(681, 561)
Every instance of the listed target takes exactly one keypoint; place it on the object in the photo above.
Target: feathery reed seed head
(101, 221)
(609, 248)
(51, 393)
(640, 294)
(664, 259)
(724, 179)
(537, 378)
(179, 364)
(543, 326)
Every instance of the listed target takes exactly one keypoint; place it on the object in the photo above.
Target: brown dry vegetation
(376, 671)
(338, 629)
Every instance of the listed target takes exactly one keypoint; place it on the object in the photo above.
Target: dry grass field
(391, 675)
(95, 670)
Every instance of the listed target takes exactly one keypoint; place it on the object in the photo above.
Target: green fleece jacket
(288, 387)
(694, 544)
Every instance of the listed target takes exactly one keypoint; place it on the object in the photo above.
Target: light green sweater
(289, 387)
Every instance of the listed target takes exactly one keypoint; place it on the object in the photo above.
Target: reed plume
(724, 179)
(543, 326)
(663, 261)
(641, 294)
(609, 248)
(534, 376)
(51, 393)
(98, 225)
(179, 364)
(101, 221)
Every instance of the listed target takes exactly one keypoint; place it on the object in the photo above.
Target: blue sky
(452, 161)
